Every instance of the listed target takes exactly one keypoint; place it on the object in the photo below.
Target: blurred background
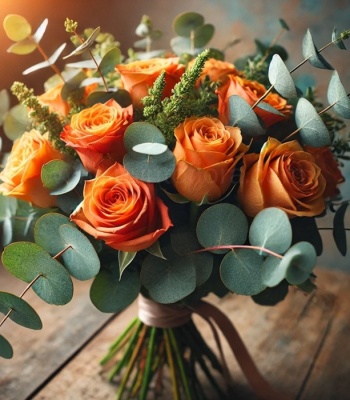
(243, 20)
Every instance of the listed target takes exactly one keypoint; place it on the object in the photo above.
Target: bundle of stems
(142, 358)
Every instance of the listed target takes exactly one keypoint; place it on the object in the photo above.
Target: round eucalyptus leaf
(311, 53)
(60, 176)
(46, 228)
(203, 263)
(16, 27)
(280, 78)
(6, 350)
(150, 168)
(182, 45)
(23, 47)
(240, 272)
(242, 115)
(336, 39)
(27, 261)
(222, 225)
(22, 313)
(313, 131)
(301, 260)
(152, 149)
(203, 34)
(110, 294)
(187, 22)
(273, 271)
(168, 281)
(337, 95)
(142, 132)
(81, 259)
(110, 60)
(16, 122)
(272, 230)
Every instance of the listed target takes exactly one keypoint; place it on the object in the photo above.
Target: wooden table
(301, 346)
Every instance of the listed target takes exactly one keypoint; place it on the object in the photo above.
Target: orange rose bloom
(206, 153)
(216, 70)
(122, 211)
(283, 175)
(138, 77)
(21, 176)
(251, 91)
(53, 99)
(329, 167)
(98, 132)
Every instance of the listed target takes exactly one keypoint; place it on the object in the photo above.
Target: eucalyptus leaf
(337, 95)
(272, 296)
(272, 230)
(88, 64)
(22, 313)
(50, 61)
(339, 232)
(284, 24)
(60, 176)
(311, 53)
(336, 39)
(16, 27)
(243, 116)
(187, 22)
(183, 45)
(301, 259)
(168, 281)
(110, 294)
(27, 261)
(152, 149)
(280, 78)
(16, 122)
(222, 224)
(267, 107)
(80, 259)
(38, 35)
(23, 47)
(86, 45)
(313, 131)
(110, 60)
(203, 34)
(273, 271)
(6, 350)
(121, 96)
(4, 104)
(125, 258)
(240, 271)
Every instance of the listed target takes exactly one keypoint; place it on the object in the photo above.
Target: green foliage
(6, 350)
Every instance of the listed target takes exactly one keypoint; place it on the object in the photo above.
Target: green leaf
(222, 225)
(121, 96)
(39, 33)
(284, 24)
(5, 104)
(16, 122)
(27, 261)
(240, 272)
(110, 294)
(272, 296)
(24, 47)
(125, 258)
(336, 39)
(273, 271)
(168, 281)
(313, 131)
(16, 27)
(81, 259)
(337, 95)
(280, 78)
(311, 53)
(6, 350)
(306, 229)
(272, 230)
(339, 232)
(48, 63)
(60, 176)
(86, 45)
(46, 229)
(22, 313)
(243, 116)
(187, 22)
(110, 60)
(203, 34)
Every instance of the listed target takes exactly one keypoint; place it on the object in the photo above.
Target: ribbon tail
(261, 387)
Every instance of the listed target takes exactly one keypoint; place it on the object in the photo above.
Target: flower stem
(148, 367)
(171, 363)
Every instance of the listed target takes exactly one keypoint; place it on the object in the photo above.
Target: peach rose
(206, 153)
(330, 169)
(122, 211)
(138, 76)
(216, 70)
(53, 99)
(98, 132)
(251, 91)
(21, 177)
(283, 175)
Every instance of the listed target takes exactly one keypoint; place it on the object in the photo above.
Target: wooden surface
(301, 346)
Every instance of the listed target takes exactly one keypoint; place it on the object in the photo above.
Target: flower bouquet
(164, 176)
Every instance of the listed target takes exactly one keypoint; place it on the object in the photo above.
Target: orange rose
(138, 77)
(215, 69)
(283, 175)
(251, 91)
(329, 167)
(53, 99)
(122, 211)
(206, 153)
(98, 132)
(21, 176)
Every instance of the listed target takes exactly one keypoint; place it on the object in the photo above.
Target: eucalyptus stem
(53, 66)
(148, 367)
(171, 364)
